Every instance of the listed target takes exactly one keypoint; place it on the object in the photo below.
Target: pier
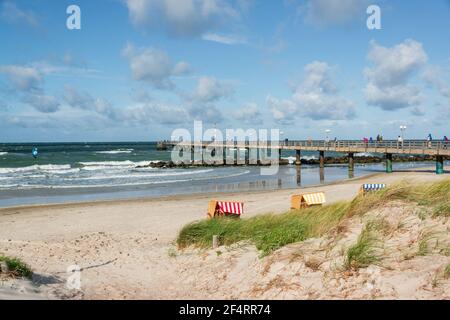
(437, 149)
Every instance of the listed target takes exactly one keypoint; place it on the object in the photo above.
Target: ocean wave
(124, 163)
(118, 151)
(111, 185)
(3, 153)
(308, 158)
(161, 174)
(46, 167)
(364, 154)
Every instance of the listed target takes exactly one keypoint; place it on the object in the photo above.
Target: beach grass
(447, 271)
(272, 231)
(363, 252)
(16, 267)
(268, 232)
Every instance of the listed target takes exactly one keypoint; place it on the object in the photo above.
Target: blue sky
(138, 69)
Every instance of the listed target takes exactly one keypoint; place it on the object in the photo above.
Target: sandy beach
(126, 249)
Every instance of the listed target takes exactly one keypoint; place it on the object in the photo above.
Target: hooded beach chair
(225, 208)
(307, 200)
(371, 187)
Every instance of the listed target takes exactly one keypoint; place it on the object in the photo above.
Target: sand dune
(126, 250)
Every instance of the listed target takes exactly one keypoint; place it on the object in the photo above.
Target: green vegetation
(270, 232)
(363, 253)
(267, 232)
(447, 272)
(425, 242)
(16, 267)
(435, 196)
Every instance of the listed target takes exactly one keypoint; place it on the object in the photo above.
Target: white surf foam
(45, 167)
(117, 151)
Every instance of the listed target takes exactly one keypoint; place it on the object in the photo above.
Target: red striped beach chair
(225, 208)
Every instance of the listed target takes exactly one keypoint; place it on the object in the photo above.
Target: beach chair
(307, 200)
(225, 208)
(371, 187)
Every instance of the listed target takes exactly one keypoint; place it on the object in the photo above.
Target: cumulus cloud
(316, 98)
(153, 112)
(249, 114)
(154, 66)
(209, 89)
(333, 12)
(208, 113)
(180, 18)
(83, 100)
(433, 77)
(11, 13)
(23, 78)
(388, 80)
(42, 103)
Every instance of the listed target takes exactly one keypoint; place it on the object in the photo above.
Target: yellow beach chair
(307, 200)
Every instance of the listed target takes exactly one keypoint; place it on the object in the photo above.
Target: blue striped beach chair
(370, 187)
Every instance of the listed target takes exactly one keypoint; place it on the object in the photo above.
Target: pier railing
(393, 146)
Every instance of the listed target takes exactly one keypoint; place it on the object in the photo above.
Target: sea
(76, 172)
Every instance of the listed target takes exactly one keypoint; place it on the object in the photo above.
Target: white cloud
(159, 113)
(315, 98)
(42, 103)
(248, 113)
(210, 89)
(393, 68)
(11, 13)
(224, 39)
(22, 77)
(433, 77)
(154, 66)
(208, 113)
(333, 12)
(83, 100)
(181, 18)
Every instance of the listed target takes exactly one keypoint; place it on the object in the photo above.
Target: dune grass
(268, 232)
(447, 272)
(16, 267)
(363, 253)
(272, 231)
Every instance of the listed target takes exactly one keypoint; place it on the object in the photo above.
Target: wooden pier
(440, 150)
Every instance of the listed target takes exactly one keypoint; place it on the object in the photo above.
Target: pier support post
(298, 157)
(439, 164)
(279, 155)
(322, 158)
(299, 175)
(351, 162)
(388, 162)
(224, 154)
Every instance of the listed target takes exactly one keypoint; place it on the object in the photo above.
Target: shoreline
(179, 197)
(198, 195)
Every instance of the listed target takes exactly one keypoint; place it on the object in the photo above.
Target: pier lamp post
(327, 140)
(402, 129)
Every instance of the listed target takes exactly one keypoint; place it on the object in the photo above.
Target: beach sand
(126, 249)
